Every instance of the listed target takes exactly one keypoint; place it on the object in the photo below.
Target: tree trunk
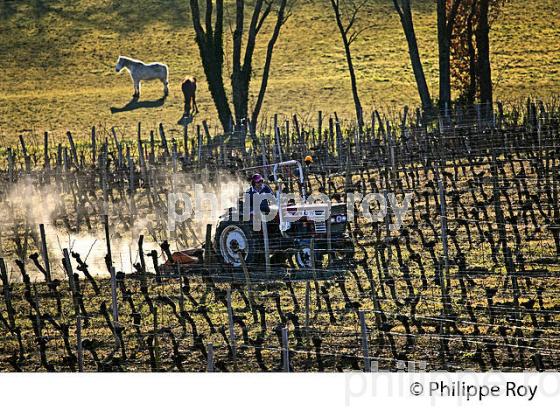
(473, 78)
(345, 41)
(484, 69)
(445, 24)
(211, 53)
(238, 83)
(405, 14)
(357, 103)
(444, 39)
(215, 81)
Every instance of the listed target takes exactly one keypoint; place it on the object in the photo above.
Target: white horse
(140, 71)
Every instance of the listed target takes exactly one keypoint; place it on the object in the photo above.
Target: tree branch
(398, 8)
(280, 20)
(452, 16)
(209, 20)
(195, 14)
(238, 36)
(356, 34)
(351, 21)
(264, 16)
(251, 38)
(219, 29)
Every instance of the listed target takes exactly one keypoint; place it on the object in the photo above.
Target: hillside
(58, 57)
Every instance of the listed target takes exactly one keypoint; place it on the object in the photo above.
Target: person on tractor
(259, 187)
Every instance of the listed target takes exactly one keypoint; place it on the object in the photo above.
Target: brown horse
(189, 92)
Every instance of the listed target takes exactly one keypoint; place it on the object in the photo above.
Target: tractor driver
(259, 187)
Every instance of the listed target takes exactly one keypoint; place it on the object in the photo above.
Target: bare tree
(483, 66)
(346, 13)
(446, 14)
(404, 10)
(210, 44)
(470, 51)
(463, 53)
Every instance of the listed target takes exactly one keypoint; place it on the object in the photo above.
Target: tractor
(303, 235)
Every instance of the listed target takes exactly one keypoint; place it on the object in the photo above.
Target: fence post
(247, 279)
(444, 267)
(25, 156)
(93, 146)
(266, 246)
(329, 243)
(288, 136)
(130, 162)
(73, 149)
(174, 154)
(338, 143)
(231, 329)
(307, 303)
(207, 246)
(156, 341)
(209, 142)
(114, 296)
(10, 165)
(312, 251)
(391, 142)
(79, 342)
(104, 181)
(285, 350)
(186, 140)
(119, 148)
(199, 144)
(365, 347)
(107, 238)
(45, 253)
(47, 164)
(152, 155)
(7, 293)
(163, 141)
(181, 302)
(210, 358)
(319, 127)
(278, 145)
(263, 156)
(67, 164)
(443, 216)
(141, 158)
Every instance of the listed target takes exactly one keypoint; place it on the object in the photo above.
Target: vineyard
(467, 282)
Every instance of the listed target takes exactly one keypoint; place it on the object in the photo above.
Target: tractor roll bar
(279, 192)
(275, 168)
(300, 169)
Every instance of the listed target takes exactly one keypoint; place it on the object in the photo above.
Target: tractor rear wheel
(234, 239)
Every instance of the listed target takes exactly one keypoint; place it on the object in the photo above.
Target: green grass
(58, 58)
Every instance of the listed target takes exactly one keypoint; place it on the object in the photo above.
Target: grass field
(58, 57)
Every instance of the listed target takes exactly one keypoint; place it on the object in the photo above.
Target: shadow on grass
(135, 104)
(35, 8)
